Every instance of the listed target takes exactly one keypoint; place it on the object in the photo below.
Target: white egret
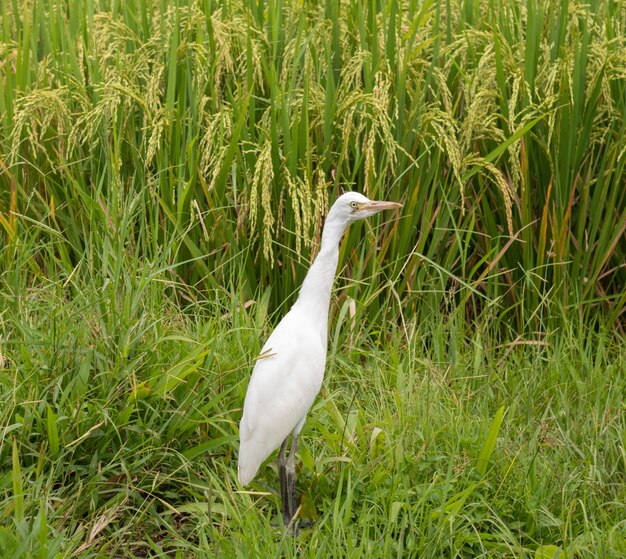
(289, 371)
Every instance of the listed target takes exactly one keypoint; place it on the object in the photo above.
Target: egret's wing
(284, 383)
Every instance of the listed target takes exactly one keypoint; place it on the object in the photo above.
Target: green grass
(165, 167)
(120, 416)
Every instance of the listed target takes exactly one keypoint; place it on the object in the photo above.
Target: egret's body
(289, 372)
(284, 383)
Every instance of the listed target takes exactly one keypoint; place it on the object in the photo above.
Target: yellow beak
(379, 206)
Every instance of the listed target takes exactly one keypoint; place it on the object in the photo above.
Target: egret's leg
(291, 477)
(284, 482)
(287, 475)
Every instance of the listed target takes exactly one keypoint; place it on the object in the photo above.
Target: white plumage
(289, 371)
(282, 389)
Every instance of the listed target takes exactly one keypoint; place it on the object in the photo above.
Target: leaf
(396, 507)
(455, 505)
(490, 442)
(207, 446)
(53, 431)
(197, 507)
(178, 373)
(498, 151)
(548, 552)
(307, 459)
(18, 489)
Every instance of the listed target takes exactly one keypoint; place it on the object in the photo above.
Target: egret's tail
(246, 468)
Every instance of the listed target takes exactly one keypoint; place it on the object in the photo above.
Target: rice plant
(244, 120)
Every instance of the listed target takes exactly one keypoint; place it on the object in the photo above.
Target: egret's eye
(354, 205)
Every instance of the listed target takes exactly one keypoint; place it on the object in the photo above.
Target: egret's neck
(317, 286)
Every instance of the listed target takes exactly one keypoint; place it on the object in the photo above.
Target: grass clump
(119, 423)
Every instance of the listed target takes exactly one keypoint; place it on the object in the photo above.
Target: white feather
(289, 372)
(284, 383)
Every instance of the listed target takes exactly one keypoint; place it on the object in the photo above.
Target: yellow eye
(354, 205)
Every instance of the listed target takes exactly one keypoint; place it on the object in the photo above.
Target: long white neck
(315, 292)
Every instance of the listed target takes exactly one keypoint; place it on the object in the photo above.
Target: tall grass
(119, 419)
(165, 167)
(229, 127)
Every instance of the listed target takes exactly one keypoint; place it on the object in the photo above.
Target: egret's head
(352, 206)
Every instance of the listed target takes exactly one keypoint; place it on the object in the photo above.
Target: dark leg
(291, 479)
(284, 483)
(288, 495)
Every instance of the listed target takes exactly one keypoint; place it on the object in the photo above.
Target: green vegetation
(164, 171)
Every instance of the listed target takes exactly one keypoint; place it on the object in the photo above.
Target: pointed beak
(379, 206)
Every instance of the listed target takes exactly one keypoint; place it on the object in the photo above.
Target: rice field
(165, 169)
